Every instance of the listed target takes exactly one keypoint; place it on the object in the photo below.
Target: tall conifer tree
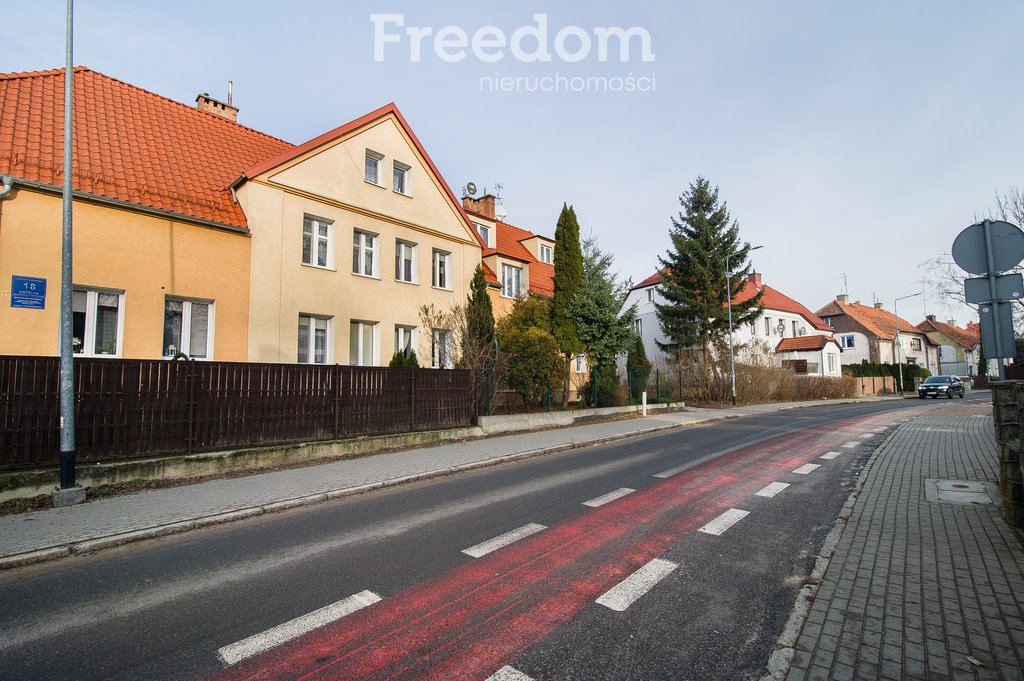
(568, 262)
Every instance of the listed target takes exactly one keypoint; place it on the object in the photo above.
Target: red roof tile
(652, 280)
(508, 244)
(805, 343)
(964, 337)
(878, 321)
(130, 144)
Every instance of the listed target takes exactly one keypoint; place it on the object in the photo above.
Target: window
(831, 364)
(828, 320)
(915, 344)
(846, 341)
(188, 328)
(441, 349)
(638, 326)
(362, 344)
(372, 168)
(650, 295)
(400, 178)
(441, 268)
(405, 339)
(364, 249)
(545, 254)
(796, 328)
(581, 364)
(511, 281)
(767, 326)
(753, 329)
(405, 262)
(314, 340)
(97, 322)
(911, 360)
(485, 233)
(317, 243)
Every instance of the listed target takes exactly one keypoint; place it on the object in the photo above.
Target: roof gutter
(7, 183)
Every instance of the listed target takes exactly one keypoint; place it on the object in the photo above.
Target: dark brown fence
(127, 408)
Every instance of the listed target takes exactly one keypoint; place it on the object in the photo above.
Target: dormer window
(545, 254)
(372, 167)
(485, 233)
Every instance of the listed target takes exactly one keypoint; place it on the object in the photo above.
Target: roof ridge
(49, 73)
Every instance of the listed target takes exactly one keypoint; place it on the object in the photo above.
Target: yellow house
(352, 233)
(160, 251)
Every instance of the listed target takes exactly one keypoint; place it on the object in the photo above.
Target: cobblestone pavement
(920, 588)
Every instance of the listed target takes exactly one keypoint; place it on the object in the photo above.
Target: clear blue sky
(854, 138)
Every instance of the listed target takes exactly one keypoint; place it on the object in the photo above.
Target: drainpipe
(6, 185)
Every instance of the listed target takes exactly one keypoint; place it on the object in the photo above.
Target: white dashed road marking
(772, 489)
(672, 471)
(865, 436)
(626, 592)
(611, 496)
(271, 638)
(830, 455)
(498, 542)
(852, 443)
(807, 468)
(724, 521)
(507, 673)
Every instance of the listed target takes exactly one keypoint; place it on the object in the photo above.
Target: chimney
(843, 298)
(482, 206)
(755, 279)
(951, 322)
(204, 102)
(931, 318)
(878, 305)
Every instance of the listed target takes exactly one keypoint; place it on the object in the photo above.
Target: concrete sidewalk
(55, 533)
(920, 583)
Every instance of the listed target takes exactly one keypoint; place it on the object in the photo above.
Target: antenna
(846, 287)
(924, 297)
(230, 88)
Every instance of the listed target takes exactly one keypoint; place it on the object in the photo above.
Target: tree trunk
(565, 391)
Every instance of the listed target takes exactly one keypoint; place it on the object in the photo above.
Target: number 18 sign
(28, 292)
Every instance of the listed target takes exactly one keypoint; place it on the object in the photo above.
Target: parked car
(941, 386)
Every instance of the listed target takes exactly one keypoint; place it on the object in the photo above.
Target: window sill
(374, 184)
(366, 276)
(441, 288)
(408, 283)
(319, 267)
(405, 194)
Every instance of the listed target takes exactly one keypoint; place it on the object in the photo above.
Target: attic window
(372, 167)
(400, 176)
(545, 254)
(485, 233)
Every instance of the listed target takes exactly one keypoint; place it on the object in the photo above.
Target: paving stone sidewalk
(53, 533)
(920, 589)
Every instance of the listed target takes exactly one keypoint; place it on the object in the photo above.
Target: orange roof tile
(964, 337)
(797, 343)
(652, 280)
(878, 321)
(508, 244)
(130, 144)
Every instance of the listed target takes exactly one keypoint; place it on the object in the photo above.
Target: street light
(897, 341)
(728, 297)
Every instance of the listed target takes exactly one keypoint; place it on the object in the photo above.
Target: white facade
(825, 362)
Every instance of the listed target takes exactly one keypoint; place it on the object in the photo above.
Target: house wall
(817, 360)
(329, 184)
(861, 350)
(147, 257)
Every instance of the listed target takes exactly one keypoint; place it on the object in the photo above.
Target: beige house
(352, 232)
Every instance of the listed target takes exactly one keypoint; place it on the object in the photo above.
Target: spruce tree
(479, 313)
(693, 275)
(568, 262)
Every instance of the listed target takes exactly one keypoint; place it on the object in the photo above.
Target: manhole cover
(960, 491)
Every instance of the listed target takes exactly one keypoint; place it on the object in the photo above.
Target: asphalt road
(175, 608)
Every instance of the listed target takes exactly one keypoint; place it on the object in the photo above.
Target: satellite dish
(803, 330)
(471, 189)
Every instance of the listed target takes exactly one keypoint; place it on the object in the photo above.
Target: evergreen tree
(638, 368)
(568, 263)
(693, 275)
(479, 313)
(603, 328)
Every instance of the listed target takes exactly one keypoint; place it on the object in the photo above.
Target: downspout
(6, 185)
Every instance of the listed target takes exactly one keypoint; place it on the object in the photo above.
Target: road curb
(100, 543)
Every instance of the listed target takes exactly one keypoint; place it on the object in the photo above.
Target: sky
(853, 141)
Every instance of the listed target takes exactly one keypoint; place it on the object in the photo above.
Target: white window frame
(88, 342)
(650, 295)
(397, 167)
(831, 363)
(310, 321)
(847, 341)
(580, 363)
(916, 342)
(436, 260)
(517, 281)
(768, 326)
(406, 250)
(547, 251)
(359, 261)
(359, 349)
(441, 341)
(485, 233)
(378, 160)
(638, 326)
(403, 332)
(315, 238)
(186, 326)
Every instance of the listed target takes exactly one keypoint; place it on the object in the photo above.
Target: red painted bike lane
(470, 621)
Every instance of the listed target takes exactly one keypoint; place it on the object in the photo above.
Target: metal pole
(732, 357)
(895, 309)
(67, 369)
(1000, 350)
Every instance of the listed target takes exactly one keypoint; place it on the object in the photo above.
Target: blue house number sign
(28, 292)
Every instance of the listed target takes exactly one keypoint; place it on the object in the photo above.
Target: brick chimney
(843, 298)
(755, 279)
(482, 206)
(951, 322)
(204, 102)
(931, 318)
(878, 305)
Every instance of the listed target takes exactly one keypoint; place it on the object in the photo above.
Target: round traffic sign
(971, 254)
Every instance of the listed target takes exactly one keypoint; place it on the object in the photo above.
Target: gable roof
(131, 145)
(797, 343)
(652, 280)
(964, 337)
(508, 243)
(878, 321)
(389, 109)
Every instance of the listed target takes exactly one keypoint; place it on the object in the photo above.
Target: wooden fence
(126, 408)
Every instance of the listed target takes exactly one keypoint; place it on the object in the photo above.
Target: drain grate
(960, 491)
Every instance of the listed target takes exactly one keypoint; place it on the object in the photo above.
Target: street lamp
(897, 341)
(728, 297)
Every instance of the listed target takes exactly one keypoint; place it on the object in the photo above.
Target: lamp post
(728, 298)
(897, 340)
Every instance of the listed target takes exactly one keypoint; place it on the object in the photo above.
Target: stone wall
(1008, 416)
